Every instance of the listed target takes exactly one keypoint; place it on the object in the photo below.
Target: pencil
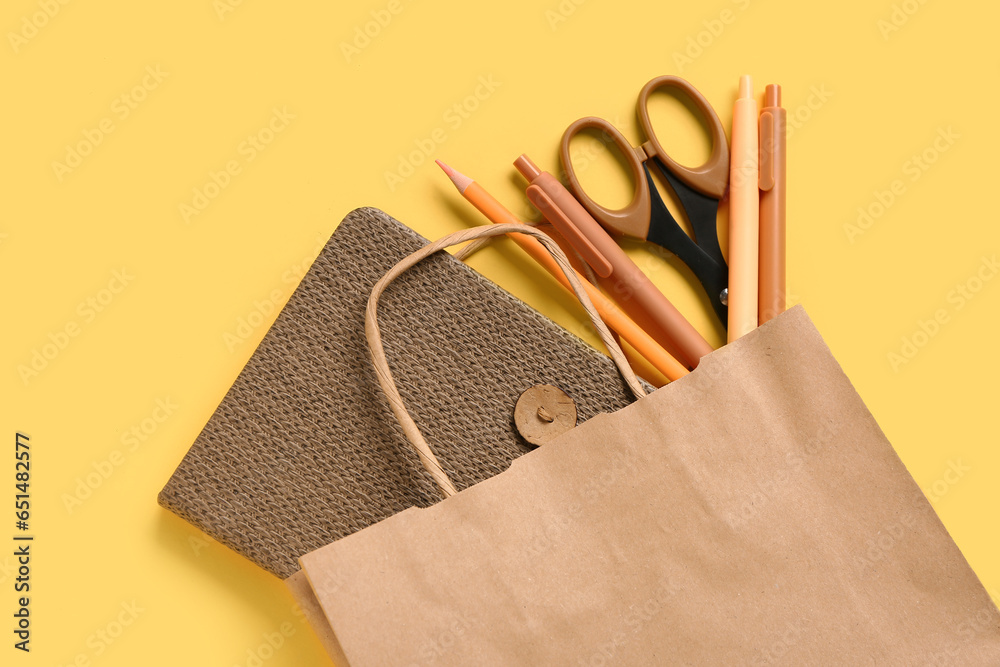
(616, 320)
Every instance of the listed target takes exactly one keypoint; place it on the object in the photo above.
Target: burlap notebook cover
(303, 449)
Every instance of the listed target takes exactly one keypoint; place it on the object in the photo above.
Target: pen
(622, 279)
(744, 212)
(772, 206)
(640, 365)
(615, 318)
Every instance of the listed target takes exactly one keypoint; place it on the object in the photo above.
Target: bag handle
(374, 336)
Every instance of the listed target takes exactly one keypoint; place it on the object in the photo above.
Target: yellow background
(865, 100)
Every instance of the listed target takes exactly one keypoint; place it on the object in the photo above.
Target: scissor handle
(633, 219)
(712, 176)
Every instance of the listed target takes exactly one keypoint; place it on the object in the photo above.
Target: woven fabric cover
(304, 450)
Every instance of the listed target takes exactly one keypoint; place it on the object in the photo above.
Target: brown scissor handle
(633, 220)
(711, 177)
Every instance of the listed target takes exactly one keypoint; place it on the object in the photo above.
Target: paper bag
(750, 513)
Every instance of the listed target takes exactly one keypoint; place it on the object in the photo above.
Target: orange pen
(744, 212)
(617, 273)
(772, 206)
(616, 320)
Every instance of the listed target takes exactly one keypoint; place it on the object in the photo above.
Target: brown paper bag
(750, 513)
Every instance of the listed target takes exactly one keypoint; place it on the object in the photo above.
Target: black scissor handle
(702, 254)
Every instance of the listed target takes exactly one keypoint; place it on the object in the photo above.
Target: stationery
(772, 206)
(617, 273)
(752, 514)
(615, 318)
(744, 202)
(646, 217)
(302, 450)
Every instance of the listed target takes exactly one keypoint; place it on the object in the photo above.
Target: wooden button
(544, 412)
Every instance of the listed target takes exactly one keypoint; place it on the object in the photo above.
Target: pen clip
(766, 162)
(544, 203)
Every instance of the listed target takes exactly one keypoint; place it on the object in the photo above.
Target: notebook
(304, 450)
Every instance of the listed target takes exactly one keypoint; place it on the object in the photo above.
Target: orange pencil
(615, 319)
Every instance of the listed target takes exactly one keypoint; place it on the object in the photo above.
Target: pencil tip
(461, 181)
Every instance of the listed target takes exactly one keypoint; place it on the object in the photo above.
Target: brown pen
(630, 288)
(771, 285)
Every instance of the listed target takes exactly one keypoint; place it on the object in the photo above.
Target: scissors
(699, 190)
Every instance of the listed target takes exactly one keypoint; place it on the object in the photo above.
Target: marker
(616, 320)
(773, 167)
(744, 214)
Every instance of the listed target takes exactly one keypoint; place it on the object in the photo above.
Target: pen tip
(461, 181)
(527, 168)
(746, 86)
